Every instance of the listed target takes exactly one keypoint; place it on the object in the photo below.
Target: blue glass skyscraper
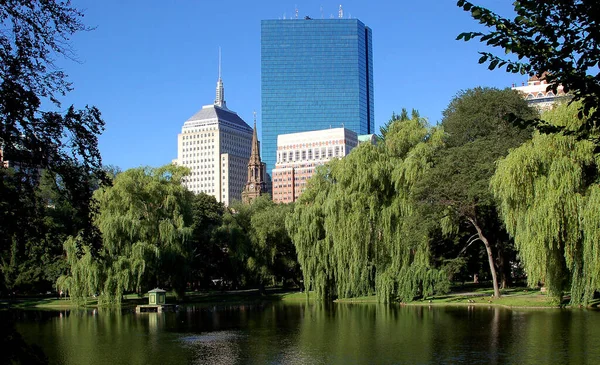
(315, 74)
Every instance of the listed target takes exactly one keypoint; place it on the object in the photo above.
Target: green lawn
(516, 297)
(43, 303)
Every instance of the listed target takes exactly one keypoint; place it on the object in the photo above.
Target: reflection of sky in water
(217, 348)
(223, 347)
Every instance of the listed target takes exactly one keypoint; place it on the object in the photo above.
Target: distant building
(298, 154)
(215, 144)
(256, 184)
(536, 95)
(315, 74)
(367, 138)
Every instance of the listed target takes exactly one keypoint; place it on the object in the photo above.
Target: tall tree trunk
(488, 248)
(503, 263)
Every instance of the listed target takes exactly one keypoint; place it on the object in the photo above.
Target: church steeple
(220, 98)
(257, 171)
(255, 153)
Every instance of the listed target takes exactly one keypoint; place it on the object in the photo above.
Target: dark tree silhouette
(555, 38)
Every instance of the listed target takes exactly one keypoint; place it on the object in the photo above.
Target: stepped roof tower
(215, 144)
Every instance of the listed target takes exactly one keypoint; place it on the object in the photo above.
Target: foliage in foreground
(145, 220)
(549, 195)
(261, 249)
(355, 228)
(456, 188)
(555, 38)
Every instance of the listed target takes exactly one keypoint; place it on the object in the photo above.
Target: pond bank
(511, 298)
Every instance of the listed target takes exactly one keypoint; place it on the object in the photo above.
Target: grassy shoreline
(511, 298)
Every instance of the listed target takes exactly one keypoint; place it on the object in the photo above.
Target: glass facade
(315, 74)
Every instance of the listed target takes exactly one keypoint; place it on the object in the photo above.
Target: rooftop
(211, 112)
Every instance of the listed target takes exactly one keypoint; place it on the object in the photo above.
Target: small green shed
(157, 296)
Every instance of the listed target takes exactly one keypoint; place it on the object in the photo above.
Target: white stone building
(536, 94)
(298, 154)
(215, 144)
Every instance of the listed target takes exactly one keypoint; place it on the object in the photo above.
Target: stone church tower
(257, 172)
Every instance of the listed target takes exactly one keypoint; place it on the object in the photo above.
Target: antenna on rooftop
(296, 7)
(219, 63)
(341, 12)
(321, 11)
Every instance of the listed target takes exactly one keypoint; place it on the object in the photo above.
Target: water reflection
(220, 347)
(304, 333)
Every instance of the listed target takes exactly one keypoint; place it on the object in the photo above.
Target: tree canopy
(403, 117)
(555, 38)
(145, 219)
(477, 133)
(354, 226)
(262, 252)
(34, 135)
(548, 192)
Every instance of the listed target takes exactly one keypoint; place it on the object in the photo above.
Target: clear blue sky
(151, 64)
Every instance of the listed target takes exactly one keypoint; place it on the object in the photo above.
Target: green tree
(558, 38)
(549, 194)
(209, 254)
(354, 226)
(477, 134)
(145, 219)
(260, 249)
(36, 227)
(274, 255)
(403, 117)
(34, 34)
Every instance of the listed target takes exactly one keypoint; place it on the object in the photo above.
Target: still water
(300, 333)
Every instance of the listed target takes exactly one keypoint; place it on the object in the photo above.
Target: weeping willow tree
(353, 227)
(82, 281)
(549, 196)
(145, 220)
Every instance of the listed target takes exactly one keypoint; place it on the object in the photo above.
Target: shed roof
(157, 290)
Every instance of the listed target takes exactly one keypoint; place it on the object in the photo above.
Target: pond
(308, 333)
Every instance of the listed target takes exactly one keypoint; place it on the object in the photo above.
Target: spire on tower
(255, 185)
(220, 98)
(255, 153)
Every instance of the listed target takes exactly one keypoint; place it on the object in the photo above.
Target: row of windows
(303, 144)
(208, 127)
(189, 149)
(198, 154)
(196, 162)
(541, 95)
(192, 179)
(199, 173)
(304, 175)
(204, 187)
(204, 141)
(203, 160)
(202, 135)
(198, 190)
(322, 153)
